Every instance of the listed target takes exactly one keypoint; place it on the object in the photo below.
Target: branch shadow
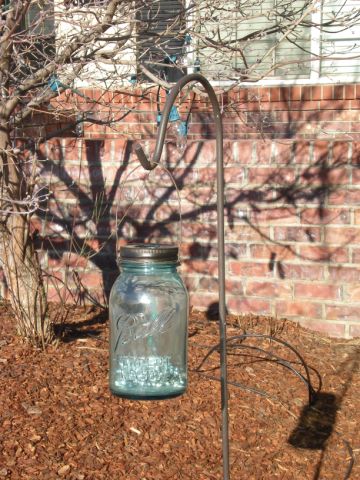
(317, 420)
(316, 423)
(72, 331)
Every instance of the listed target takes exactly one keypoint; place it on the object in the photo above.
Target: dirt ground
(59, 420)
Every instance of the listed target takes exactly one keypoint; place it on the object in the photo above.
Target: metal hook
(150, 165)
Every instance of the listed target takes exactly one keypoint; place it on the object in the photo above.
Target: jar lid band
(156, 252)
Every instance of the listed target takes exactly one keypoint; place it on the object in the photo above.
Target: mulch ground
(59, 420)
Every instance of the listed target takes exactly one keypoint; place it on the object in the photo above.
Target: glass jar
(148, 324)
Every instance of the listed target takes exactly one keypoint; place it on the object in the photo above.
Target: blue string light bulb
(178, 128)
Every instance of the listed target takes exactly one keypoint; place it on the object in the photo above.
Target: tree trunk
(19, 258)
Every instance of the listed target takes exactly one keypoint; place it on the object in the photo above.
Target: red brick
(344, 274)
(200, 266)
(275, 215)
(203, 152)
(324, 216)
(242, 94)
(199, 231)
(147, 129)
(274, 94)
(306, 93)
(228, 154)
(335, 105)
(333, 329)
(209, 214)
(338, 92)
(264, 151)
(253, 94)
(336, 127)
(267, 175)
(303, 272)
(191, 283)
(268, 289)
(242, 152)
(234, 287)
(354, 330)
(229, 130)
(55, 260)
(342, 312)
(356, 176)
(356, 255)
(356, 154)
(58, 294)
(273, 106)
(287, 117)
(316, 92)
(297, 309)
(264, 94)
(315, 117)
(297, 234)
(326, 175)
(344, 116)
(74, 261)
(327, 92)
(54, 151)
(248, 305)
(195, 249)
(233, 174)
(209, 284)
(119, 148)
(304, 105)
(323, 254)
(307, 129)
(344, 197)
(342, 236)
(349, 92)
(91, 280)
(302, 152)
(202, 130)
(249, 269)
(352, 293)
(284, 152)
(321, 150)
(204, 195)
(295, 93)
(311, 290)
(285, 92)
(246, 233)
(202, 302)
(355, 127)
(242, 131)
(232, 250)
(270, 250)
(340, 152)
(357, 216)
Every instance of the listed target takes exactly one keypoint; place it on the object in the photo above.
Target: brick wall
(322, 111)
(292, 163)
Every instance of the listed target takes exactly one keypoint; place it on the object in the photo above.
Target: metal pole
(149, 165)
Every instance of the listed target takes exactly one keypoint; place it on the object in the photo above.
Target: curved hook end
(143, 158)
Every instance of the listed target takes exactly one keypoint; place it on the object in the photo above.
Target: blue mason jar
(148, 324)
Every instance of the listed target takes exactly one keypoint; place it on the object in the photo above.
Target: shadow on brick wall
(287, 214)
(76, 224)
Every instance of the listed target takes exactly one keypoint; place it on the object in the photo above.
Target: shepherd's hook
(150, 165)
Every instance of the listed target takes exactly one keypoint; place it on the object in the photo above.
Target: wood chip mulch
(58, 419)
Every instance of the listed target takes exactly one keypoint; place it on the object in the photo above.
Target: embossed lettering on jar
(148, 324)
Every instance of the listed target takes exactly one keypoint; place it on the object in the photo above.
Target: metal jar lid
(149, 252)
